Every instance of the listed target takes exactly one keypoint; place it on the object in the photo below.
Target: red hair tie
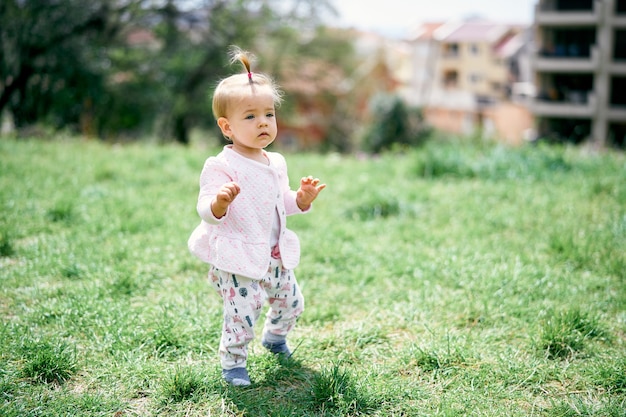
(249, 76)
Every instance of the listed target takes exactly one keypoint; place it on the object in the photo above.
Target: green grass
(450, 280)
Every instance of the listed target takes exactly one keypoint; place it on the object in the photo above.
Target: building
(425, 53)
(464, 77)
(580, 71)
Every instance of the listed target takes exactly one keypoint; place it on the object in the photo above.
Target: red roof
(427, 30)
(472, 32)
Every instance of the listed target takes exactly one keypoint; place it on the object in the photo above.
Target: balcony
(618, 20)
(450, 51)
(557, 63)
(577, 106)
(546, 16)
(617, 113)
(617, 68)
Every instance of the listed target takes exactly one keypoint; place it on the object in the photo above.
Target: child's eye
(269, 115)
(250, 117)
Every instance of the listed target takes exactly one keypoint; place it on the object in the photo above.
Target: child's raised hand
(224, 197)
(309, 189)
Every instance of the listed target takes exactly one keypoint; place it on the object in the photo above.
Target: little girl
(244, 201)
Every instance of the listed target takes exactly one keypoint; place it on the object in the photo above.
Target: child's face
(251, 123)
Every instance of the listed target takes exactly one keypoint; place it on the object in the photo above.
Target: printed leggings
(243, 300)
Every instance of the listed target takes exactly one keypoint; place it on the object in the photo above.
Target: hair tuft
(245, 57)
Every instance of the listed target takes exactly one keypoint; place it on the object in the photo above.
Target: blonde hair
(237, 86)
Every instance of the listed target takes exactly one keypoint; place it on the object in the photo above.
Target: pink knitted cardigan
(239, 242)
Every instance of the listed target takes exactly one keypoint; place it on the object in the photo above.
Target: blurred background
(358, 75)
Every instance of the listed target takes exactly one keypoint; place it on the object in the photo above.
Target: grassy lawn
(449, 280)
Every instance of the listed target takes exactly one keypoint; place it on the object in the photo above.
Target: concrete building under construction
(580, 71)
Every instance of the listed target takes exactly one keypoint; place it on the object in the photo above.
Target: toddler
(244, 201)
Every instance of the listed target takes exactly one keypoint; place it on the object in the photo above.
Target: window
(574, 5)
(474, 49)
(451, 49)
(565, 129)
(619, 45)
(571, 42)
(450, 78)
(618, 91)
(475, 77)
(617, 135)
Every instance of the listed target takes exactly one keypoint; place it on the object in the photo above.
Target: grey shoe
(277, 348)
(237, 377)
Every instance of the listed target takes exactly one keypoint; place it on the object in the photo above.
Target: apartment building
(580, 71)
(463, 77)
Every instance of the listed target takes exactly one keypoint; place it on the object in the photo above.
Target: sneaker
(237, 377)
(279, 348)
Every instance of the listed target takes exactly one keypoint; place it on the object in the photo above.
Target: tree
(194, 53)
(52, 55)
(73, 63)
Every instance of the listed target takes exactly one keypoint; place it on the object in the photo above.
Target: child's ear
(224, 125)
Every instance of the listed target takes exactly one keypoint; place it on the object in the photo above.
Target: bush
(394, 123)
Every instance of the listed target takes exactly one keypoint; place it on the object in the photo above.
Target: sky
(396, 17)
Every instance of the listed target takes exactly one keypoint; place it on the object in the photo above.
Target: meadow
(455, 279)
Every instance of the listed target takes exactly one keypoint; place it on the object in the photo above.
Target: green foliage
(61, 212)
(451, 159)
(599, 249)
(335, 388)
(182, 384)
(376, 207)
(577, 407)
(432, 361)
(612, 375)
(394, 124)
(494, 290)
(47, 362)
(130, 69)
(564, 334)
(6, 246)
(51, 61)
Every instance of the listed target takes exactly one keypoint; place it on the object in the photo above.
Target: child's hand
(224, 197)
(309, 189)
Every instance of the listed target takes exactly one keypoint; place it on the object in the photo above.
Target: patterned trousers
(243, 300)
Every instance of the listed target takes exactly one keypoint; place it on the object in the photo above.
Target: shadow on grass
(285, 387)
